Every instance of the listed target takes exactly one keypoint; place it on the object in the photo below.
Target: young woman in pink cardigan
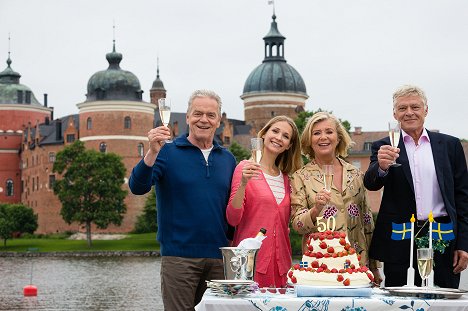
(260, 199)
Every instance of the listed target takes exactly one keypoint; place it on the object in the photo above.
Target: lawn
(134, 242)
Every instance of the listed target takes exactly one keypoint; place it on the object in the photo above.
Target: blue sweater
(191, 197)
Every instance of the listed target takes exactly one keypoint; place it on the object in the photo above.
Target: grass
(134, 242)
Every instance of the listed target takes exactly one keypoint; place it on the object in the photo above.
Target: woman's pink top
(260, 210)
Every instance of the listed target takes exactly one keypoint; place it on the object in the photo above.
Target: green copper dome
(11, 91)
(114, 83)
(274, 74)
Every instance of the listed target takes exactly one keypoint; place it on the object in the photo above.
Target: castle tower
(157, 90)
(274, 87)
(18, 108)
(114, 118)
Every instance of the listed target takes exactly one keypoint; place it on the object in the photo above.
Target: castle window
(103, 147)
(37, 183)
(9, 188)
(20, 97)
(127, 123)
(70, 138)
(357, 164)
(141, 149)
(51, 181)
(51, 157)
(89, 124)
(227, 140)
(272, 114)
(34, 184)
(28, 97)
(367, 146)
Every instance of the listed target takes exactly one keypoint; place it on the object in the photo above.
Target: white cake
(330, 261)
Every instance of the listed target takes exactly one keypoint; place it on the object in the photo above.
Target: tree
(91, 187)
(147, 222)
(239, 152)
(303, 117)
(16, 218)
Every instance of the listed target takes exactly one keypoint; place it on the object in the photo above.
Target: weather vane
(272, 2)
(9, 48)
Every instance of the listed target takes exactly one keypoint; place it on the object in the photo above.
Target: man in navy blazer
(432, 177)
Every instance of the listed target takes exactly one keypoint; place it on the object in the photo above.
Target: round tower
(157, 90)
(19, 109)
(114, 118)
(274, 87)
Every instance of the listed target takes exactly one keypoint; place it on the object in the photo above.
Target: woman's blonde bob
(344, 140)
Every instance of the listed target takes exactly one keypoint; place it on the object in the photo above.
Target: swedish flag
(442, 231)
(401, 231)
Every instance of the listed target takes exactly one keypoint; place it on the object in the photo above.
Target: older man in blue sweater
(192, 178)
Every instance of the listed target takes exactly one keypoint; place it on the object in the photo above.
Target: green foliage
(16, 218)
(91, 187)
(304, 116)
(296, 243)
(147, 222)
(239, 152)
(437, 245)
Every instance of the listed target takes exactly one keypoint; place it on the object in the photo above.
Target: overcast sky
(351, 54)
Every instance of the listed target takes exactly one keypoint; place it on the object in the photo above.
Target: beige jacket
(350, 208)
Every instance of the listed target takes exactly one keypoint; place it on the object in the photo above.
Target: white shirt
(276, 184)
(426, 187)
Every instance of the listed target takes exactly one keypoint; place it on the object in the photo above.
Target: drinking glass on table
(394, 134)
(256, 145)
(327, 177)
(425, 261)
(164, 105)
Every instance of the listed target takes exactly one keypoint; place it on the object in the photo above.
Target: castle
(115, 118)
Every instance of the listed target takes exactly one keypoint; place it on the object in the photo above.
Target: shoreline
(83, 254)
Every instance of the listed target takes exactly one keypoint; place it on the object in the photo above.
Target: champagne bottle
(251, 255)
(262, 232)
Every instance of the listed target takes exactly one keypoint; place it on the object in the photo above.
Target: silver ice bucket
(239, 263)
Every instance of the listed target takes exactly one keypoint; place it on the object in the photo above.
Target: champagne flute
(164, 105)
(394, 134)
(256, 145)
(425, 260)
(327, 177)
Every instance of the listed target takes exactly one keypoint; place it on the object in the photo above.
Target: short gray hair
(205, 93)
(408, 90)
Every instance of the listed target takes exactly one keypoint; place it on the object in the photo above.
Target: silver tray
(428, 293)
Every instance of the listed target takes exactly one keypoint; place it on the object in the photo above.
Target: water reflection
(100, 283)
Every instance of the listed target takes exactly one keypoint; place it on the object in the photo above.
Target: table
(379, 301)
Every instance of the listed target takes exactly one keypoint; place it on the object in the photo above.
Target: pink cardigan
(260, 210)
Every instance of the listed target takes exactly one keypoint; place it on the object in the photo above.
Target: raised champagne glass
(256, 146)
(394, 133)
(425, 262)
(164, 105)
(327, 177)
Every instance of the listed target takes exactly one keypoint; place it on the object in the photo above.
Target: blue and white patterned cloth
(379, 301)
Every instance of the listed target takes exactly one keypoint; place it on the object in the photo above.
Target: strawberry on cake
(330, 261)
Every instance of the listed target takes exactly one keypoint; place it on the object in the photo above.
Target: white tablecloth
(380, 301)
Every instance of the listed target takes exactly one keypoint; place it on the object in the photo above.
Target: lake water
(100, 283)
(90, 284)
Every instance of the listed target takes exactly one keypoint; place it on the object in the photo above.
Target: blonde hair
(289, 160)
(408, 90)
(344, 140)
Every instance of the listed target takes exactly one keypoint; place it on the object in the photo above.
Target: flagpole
(430, 279)
(410, 272)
